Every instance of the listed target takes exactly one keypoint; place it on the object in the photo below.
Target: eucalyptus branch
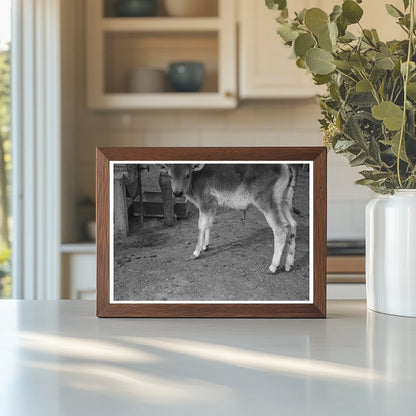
(373, 88)
(346, 75)
(406, 80)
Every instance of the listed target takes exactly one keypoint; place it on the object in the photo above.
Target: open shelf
(210, 7)
(119, 45)
(126, 51)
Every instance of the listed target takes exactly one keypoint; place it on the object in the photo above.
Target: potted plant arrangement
(368, 116)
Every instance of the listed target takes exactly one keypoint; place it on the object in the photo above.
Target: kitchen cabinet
(265, 69)
(118, 45)
(78, 263)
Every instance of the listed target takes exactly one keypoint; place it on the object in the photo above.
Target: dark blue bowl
(186, 76)
(135, 8)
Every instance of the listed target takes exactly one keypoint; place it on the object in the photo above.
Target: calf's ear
(195, 168)
(162, 166)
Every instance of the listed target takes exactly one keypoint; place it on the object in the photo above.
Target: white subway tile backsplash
(167, 138)
(232, 138)
(86, 180)
(346, 219)
(156, 119)
(196, 120)
(259, 123)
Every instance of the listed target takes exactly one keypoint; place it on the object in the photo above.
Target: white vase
(391, 253)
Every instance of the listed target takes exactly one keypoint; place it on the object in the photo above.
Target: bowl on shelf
(191, 8)
(147, 80)
(135, 8)
(186, 76)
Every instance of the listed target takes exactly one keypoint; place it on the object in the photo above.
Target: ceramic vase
(391, 253)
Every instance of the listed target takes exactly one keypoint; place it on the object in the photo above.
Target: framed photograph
(211, 232)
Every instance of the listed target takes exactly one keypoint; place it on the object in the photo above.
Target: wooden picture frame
(313, 307)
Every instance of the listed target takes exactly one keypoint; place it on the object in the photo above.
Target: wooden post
(121, 222)
(140, 190)
(168, 198)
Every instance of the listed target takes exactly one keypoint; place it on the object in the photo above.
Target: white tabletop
(57, 358)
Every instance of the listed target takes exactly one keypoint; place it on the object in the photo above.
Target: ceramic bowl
(147, 80)
(191, 8)
(135, 8)
(186, 76)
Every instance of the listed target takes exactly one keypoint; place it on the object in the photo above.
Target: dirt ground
(155, 263)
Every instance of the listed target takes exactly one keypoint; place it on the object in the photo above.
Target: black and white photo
(211, 231)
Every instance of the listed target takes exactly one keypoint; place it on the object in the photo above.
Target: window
(5, 147)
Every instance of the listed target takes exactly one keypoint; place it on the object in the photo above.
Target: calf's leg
(206, 219)
(279, 229)
(291, 242)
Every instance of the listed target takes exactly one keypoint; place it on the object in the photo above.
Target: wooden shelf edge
(81, 247)
(160, 24)
(126, 101)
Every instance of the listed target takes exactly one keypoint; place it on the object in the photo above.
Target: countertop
(57, 358)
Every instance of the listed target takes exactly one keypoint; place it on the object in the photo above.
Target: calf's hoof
(205, 248)
(272, 269)
(288, 268)
(196, 254)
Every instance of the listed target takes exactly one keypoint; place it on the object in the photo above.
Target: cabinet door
(265, 68)
(78, 276)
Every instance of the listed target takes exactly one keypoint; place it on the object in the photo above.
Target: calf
(268, 187)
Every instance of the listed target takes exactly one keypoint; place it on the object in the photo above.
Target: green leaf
(374, 174)
(287, 33)
(343, 145)
(393, 11)
(394, 144)
(358, 160)
(301, 15)
(319, 61)
(276, 4)
(375, 35)
(358, 61)
(316, 20)
(412, 67)
(347, 37)
(325, 42)
(354, 132)
(342, 25)
(333, 32)
(411, 90)
(385, 62)
(388, 112)
(301, 63)
(365, 182)
(303, 43)
(363, 86)
(351, 11)
(336, 12)
(406, 4)
(321, 79)
(374, 150)
(345, 65)
(368, 36)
